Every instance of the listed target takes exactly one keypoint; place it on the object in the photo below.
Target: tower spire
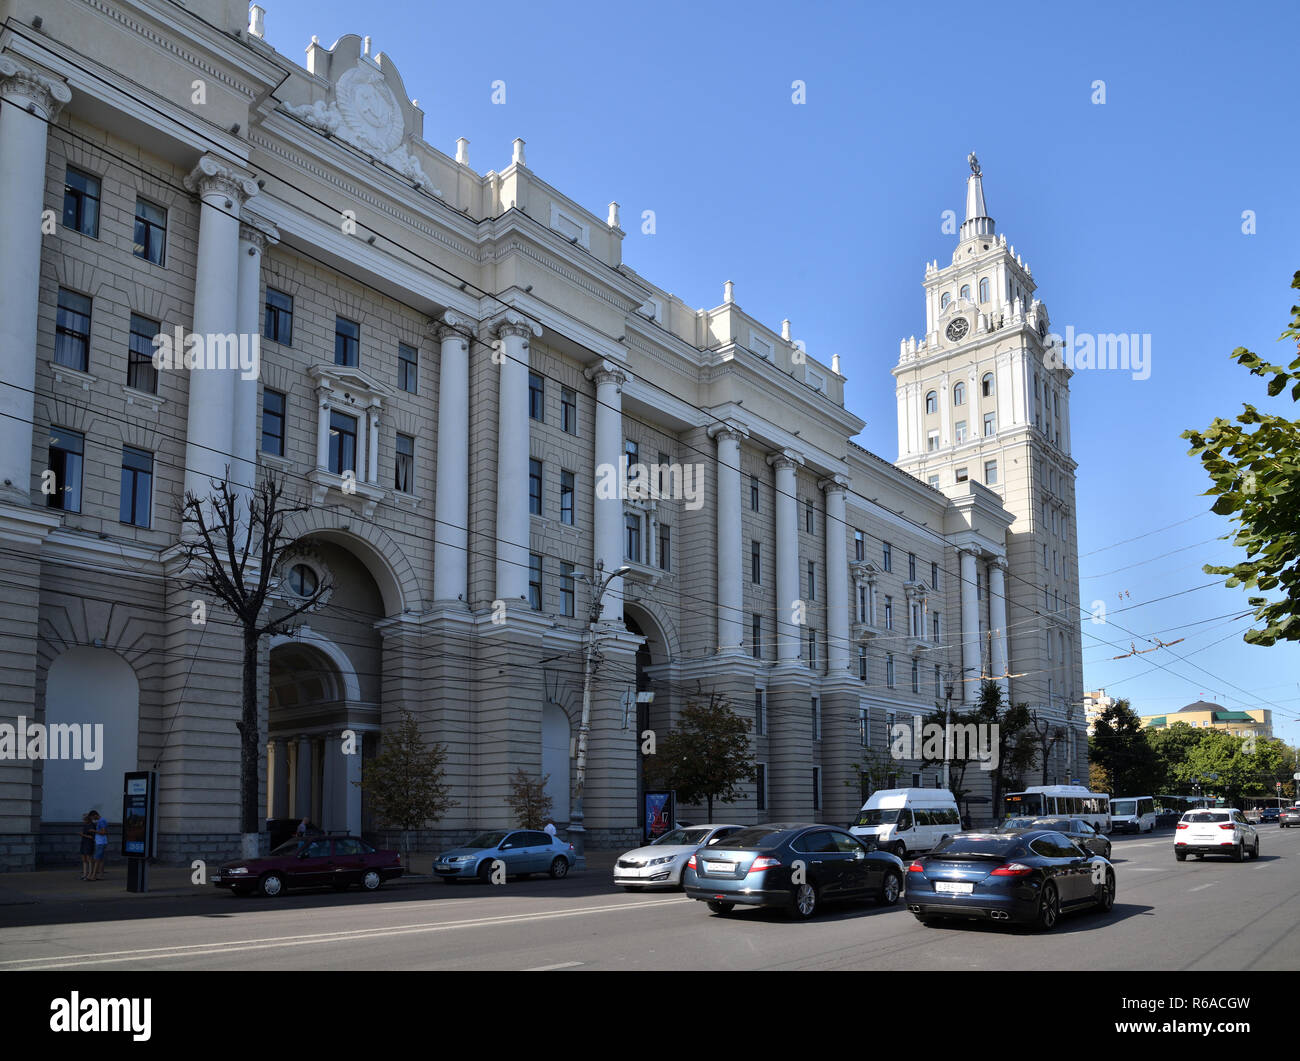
(978, 222)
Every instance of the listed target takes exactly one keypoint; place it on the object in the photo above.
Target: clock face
(957, 329)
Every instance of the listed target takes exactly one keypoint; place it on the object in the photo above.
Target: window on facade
(943, 302)
(959, 394)
(137, 486)
(753, 494)
(567, 493)
(72, 331)
(934, 624)
(760, 786)
(965, 291)
(911, 567)
(889, 613)
(864, 727)
(1055, 562)
(808, 518)
(889, 669)
(933, 481)
(916, 676)
(535, 582)
(991, 472)
(303, 581)
(934, 575)
(932, 441)
(816, 718)
(961, 475)
(81, 202)
(990, 423)
(887, 553)
(859, 546)
(534, 487)
(932, 402)
(961, 431)
(665, 551)
(915, 628)
(760, 713)
(632, 451)
(277, 321)
(408, 368)
(343, 443)
(150, 237)
(536, 397)
(938, 682)
(812, 647)
(569, 410)
(273, 422)
(862, 663)
(404, 471)
(817, 787)
(984, 290)
(862, 604)
(661, 464)
(756, 635)
(67, 455)
(755, 563)
(347, 342)
(566, 588)
(140, 372)
(986, 385)
(812, 580)
(632, 539)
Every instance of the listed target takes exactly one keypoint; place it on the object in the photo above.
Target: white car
(1217, 831)
(660, 864)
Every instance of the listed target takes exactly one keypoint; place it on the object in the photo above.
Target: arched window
(965, 290)
(943, 302)
(932, 402)
(984, 289)
(959, 394)
(986, 385)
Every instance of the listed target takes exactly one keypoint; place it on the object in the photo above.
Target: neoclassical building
(444, 366)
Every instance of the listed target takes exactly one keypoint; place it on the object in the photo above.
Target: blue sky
(1129, 213)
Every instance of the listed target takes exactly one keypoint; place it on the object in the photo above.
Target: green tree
(1256, 479)
(1221, 764)
(405, 781)
(528, 800)
(1015, 739)
(1172, 745)
(1120, 747)
(957, 764)
(707, 757)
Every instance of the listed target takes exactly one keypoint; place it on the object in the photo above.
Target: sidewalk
(63, 885)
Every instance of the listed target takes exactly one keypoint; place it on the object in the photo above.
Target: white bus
(1059, 801)
(1133, 814)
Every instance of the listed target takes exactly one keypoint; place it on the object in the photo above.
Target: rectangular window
(756, 635)
(990, 423)
(812, 647)
(911, 567)
(566, 588)
(991, 472)
(568, 410)
(889, 613)
(889, 670)
(935, 628)
(662, 465)
(137, 486)
(273, 422)
(535, 582)
(566, 497)
(932, 441)
(816, 718)
(408, 368)
(632, 525)
(150, 239)
(760, 713)
(812, 580)
(535, 487)
(536, 397)
(864, 727)
(343, 443)
(665, 547)
(277, 324)
(862, 604)
(760, 785)
(140, 372)
(961, 431)
(817, 787)
(72, 331)
(888, 553)
(347, 342)
(81, 202)
(938, 682)
(915, 629)
(859, 546)
(916, 676)
(933, 481)
(934, 575)
(404, 472)
(961, 475)
(862, 663)
(67, 454)
(755, 563)
(1055, 562)
(753, 494)
(809, 521)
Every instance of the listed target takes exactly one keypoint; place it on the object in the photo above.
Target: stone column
(608, 510)
(28, 101)
(731, 601)
(788, 633)
(970, 628)
(510, 332)
(837, 575)
(280, 779)
(350, 798)
(303, 788)
(372, 439)
(998, 620)
(255, 234)
(209, 439)
(451, 527)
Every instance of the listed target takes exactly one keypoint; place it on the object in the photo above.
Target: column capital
(999, 563)
(257, 230)
(509, 323)
(450, 323)
(213, 176)
(606, 372)
(834, 484)
(31, 90)
(728, 431)
(968, 550)
(784, 459)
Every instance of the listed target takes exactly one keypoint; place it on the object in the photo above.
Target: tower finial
(974, 163)
(978, 222)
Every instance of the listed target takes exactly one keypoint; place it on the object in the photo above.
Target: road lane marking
(1202, 887)
(552, 968)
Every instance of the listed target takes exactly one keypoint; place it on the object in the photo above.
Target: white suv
(1222, 831)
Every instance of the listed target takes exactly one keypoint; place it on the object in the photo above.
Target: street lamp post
(590, 662)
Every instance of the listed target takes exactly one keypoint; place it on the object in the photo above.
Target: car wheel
(1049, 907)
(1181, 856)
(1239, 853)
(890, 889)
(371, 880)
(722, 909)
(560, 868)
(485, 871)
(271, 885)
(1254, 851)
(1106, 895)
(804, 901)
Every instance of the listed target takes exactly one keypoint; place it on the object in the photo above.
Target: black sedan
(1270, 814)
(1027, 877)
(1078, 830)
(795, 866)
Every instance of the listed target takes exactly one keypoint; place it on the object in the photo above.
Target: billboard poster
(659, 813)
(138, 826)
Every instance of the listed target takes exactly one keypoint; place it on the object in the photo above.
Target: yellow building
(1205, 715)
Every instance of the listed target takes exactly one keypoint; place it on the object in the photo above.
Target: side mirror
(505, 847)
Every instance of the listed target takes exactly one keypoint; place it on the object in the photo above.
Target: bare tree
(1047, 735)
(233, 543)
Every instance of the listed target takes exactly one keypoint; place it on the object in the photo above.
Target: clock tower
(981, 401)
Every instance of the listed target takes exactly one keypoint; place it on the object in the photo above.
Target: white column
(946, 435)
(323, 432)
(372, 437)
(511, 332)
(837, 574)
(998, 620)
(731, 601)
(788, 633)
(28, 101)
(451, 529)
(970, 628)
(254, 235)
(209, 438)
(607, 540)
(351, 798)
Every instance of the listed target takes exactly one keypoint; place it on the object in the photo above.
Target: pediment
(350, 381)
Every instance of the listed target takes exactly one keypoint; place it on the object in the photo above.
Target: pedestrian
(302, 827)
(87, 843)
(101, 846)
(550, 828)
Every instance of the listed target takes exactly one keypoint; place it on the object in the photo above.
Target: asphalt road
(1210, 915)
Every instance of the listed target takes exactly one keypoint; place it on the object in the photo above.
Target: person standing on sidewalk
(87, 843)
(101, 846)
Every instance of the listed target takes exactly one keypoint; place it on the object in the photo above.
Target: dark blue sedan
(795, 866)
(1028, 878)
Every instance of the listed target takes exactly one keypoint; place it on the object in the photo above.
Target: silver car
(517, 852)
(660, 864)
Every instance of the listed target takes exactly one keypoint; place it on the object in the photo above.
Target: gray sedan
(660, 864)
(506, 853)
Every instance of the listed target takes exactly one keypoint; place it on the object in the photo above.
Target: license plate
(719, 867)
(953, 888)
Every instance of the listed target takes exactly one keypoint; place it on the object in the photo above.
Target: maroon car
(310, 862)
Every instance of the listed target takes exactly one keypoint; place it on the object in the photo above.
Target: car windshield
(756, 837)
(1059, 824)
(1201, 817)
(978, 845)
(877, 817)
(290, 847)
(682, 837)
(1124, 807)
(486, 840)
(1012, 825)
